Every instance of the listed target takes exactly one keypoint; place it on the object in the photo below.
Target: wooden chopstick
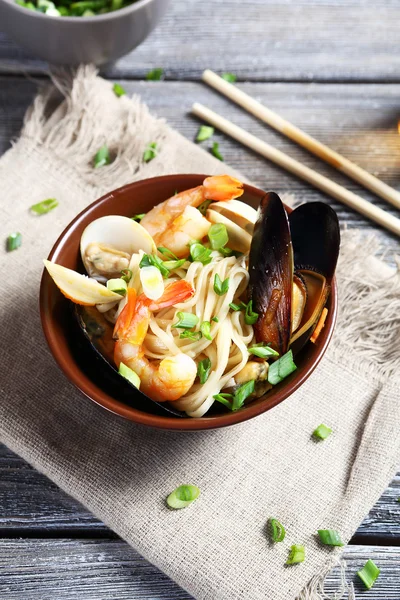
(307, 141)
(293, 166)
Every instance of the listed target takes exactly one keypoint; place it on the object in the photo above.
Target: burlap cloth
(217, 549)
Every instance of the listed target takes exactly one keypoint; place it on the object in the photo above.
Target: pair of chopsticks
(333, 158)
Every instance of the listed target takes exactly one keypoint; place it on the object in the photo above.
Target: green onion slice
(167, 253)
(281, 368)
(204, 133)
(182, 496)
(190, 335)
(220, 287)
(263, 351)
(130, 375)
(277, 530)
(226, 252)
(203, 206)
(174, 264)
(200, 253)
(126, 275)
(149, 260)
(215, 151)
(322, 432)
(155, 74)
(205, 329)
(330, 537)
(229, 77)
(118, 90)
(14, 241)
(42, 208)
(150, 152)
(218, 236)
(203, 370)
(369, 574)
(224, 399)
(215, 319)
(138, 217)
(118, 286)
(102, 157)
(250, 317)
(237, 307)
(242, 393)
(296, 555)
(186, 320)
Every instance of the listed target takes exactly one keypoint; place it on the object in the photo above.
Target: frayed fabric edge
(316, 589)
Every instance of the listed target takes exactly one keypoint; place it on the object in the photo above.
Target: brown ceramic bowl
(78, 361)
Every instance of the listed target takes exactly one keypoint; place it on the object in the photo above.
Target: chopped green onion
(203, 370)
(118, 90)
(226, 251)
(330, 537)
(237, 307)
(130, 375)
(205, 329)
(224, 399)
(138, 217)
(242, 393)
(217, 321)
(369, 574)
(190, 335)
(218, 236)
(229, 77)
(263, 351)
(167, 253)
(42, 208)
(203, 206)
(200, 253)
(102, 157)
(118, 286)
(250, 317)
(126, 275)
(220, 287)
(322, 432)
(277, 531)
(296, 555)
(204, 133)
(150, 260)
(215, 151)
(14, 241)
(150, 152)
(174, 264)
(281, 368)
(155, 74)
(186, 320)
(87, 13)
(183, 496)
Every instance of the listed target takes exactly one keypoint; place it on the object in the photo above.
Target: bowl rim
(97, 395)
(107, 16)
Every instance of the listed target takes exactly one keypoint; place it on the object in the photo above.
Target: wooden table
(333, 68)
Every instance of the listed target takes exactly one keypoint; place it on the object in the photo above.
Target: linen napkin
(217, 549)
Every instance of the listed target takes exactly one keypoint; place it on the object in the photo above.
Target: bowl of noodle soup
(82, 367)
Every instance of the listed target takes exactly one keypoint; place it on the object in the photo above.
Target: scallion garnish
(330, 537)
(150, 260)
(322, 432)
(226, 252)
(250, 317)
(262, 350)
(215, 319)
(237, 307)
(126, 275)
(204, 133)
(369, 574)
(138, 217)
(150, 152)
(165, 252)
(42, 208)
(203, 370)
(277, 531)
(130, 375)
(229, 77)
(218, 236)
(195, 336)
(281, 368)
(236, 400)
(200, 253)
(183, 496)
(155, 74)
(296, 555)
(118, 90)
(203, 206)
(220, 287)
(186, 320)
(205, 329)
(14, 241)
(225, 399)
(102, 157)
(118, 286)
(174, 264)
(215, 151)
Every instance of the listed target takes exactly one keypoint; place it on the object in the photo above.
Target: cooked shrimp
(173, 376)
(189, 226)
(217, 188)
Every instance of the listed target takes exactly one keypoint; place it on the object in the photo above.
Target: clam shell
(239, 239)
(238, 212)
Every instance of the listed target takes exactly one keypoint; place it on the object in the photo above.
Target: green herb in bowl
(69, 8)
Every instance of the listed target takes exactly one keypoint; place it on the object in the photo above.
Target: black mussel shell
(271, 274)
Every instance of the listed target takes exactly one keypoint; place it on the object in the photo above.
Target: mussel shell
(271, 273)
(98, 332)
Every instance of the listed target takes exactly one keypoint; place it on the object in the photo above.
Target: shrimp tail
(174, 293)
(122, 326)
(222, 187)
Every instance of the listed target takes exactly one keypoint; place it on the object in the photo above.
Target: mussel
(292, 262)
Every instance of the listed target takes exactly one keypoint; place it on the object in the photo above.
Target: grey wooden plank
(260, 40)
(111, 570)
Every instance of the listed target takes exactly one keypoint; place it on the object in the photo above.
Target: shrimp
(173, 376)
(217, 188)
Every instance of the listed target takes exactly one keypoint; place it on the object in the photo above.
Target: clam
(238, 212)
(108, 243)
(239, 239)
